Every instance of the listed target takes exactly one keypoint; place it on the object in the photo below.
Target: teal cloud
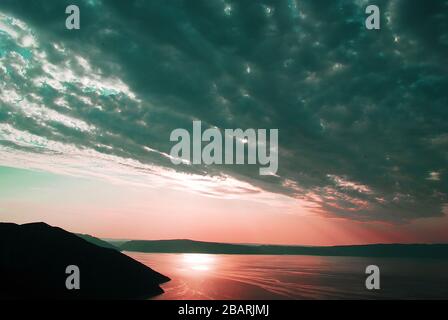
(362, 114)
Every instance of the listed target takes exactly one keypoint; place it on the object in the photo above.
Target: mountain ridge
(369, 250)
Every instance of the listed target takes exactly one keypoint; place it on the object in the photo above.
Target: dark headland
(34, 257)
(437, 251)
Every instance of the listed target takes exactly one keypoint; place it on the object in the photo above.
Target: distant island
(437, 251)
(34, 257)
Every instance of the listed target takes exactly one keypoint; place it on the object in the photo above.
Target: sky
(86, 116)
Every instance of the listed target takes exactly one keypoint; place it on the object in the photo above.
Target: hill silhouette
(34, 257)
(439, 251)
(97, 241)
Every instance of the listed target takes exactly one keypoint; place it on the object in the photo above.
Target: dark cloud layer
(362, 115)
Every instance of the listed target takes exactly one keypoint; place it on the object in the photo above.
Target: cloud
(361, 114)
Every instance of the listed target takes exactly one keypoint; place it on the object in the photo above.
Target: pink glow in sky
(119, 211)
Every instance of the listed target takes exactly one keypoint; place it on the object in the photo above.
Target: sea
(254, 277)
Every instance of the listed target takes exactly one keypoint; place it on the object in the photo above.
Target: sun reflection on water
(198, 261)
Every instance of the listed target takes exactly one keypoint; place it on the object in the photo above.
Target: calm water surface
(210, 276)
